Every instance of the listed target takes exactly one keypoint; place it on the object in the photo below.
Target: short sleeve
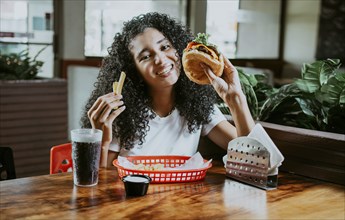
(114, 145)
(216, 117)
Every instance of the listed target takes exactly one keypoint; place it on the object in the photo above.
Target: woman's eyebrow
(161, 40)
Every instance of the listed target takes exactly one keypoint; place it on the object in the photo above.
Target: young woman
(160, 111)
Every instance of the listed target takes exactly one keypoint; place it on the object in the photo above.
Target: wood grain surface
(216, 197)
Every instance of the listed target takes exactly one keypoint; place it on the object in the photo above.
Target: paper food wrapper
(195, 162)
(276, 158)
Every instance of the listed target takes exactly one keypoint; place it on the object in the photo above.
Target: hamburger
(200, 51)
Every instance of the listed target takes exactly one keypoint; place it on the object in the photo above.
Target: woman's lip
(165, 71)
(167, 74)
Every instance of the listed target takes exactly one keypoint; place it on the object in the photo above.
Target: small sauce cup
(136, 185)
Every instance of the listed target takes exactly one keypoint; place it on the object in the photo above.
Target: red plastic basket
(164, 176)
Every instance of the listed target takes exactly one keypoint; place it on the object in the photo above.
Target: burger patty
(204, 49)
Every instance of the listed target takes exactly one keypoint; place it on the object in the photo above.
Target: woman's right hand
(103, 113)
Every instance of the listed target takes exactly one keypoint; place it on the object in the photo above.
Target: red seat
(61, 158)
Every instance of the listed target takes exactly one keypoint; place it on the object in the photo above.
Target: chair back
(61, 158)
(7, 168)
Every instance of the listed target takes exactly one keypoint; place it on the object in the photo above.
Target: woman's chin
(171, 76)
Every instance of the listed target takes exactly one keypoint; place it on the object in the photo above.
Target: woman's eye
(165, 47)
(145, 57)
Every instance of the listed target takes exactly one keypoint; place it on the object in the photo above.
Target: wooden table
(217, 197)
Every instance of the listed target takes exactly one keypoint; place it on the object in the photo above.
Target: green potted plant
(19, 66)
(305, 119)
(316, 101)
(33, 112)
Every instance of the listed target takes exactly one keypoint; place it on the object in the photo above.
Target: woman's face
(155, 58)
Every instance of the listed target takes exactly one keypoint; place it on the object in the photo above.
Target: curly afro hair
(194, 102)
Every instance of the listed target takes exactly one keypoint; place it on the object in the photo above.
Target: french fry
(117, 86)
(153, 167)
(120, 84)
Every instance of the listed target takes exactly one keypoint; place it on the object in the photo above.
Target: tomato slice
(191, 44)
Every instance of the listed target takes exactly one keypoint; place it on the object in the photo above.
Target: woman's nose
(159, 57)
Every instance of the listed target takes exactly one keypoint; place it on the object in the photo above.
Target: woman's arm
(229, 89)
(112, 155)
(222, 133)
(102, 116)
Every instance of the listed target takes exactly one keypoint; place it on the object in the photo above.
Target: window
(103, 19)
(28, 25)
(223, 29)
(245, 29)
(242, 29)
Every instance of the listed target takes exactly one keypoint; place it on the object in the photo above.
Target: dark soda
(86, 156)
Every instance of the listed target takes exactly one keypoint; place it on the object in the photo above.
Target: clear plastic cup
(86, 153)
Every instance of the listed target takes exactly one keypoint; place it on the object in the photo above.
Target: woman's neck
(163, 101)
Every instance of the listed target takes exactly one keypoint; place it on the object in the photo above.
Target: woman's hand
(228, 86)
(103, 113)
(229, 89)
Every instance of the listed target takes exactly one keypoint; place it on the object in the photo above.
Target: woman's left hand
(228, 86)
(229, 89)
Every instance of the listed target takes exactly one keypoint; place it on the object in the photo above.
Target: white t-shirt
(170, 136)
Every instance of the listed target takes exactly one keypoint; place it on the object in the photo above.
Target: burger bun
(191, 64)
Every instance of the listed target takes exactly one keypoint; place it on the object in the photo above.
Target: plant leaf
(333, 91)
(247, 79)
(285, 92)
(307, 86)
(20, 65)
(316, 74)
(305, 106)
(251, 100)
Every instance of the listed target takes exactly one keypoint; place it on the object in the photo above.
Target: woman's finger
(218, 83)
(95, 105)
(98, 108)
(228, 65)
(116, 113)
(108, 108)
(230, 73)
(211, 76)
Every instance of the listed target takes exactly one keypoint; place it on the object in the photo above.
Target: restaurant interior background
(274, 37)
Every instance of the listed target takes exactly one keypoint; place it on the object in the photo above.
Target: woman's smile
(166, 71)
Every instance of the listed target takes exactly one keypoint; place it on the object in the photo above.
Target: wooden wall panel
(33, 118)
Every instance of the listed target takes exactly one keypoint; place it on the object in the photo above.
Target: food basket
(164, 176)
